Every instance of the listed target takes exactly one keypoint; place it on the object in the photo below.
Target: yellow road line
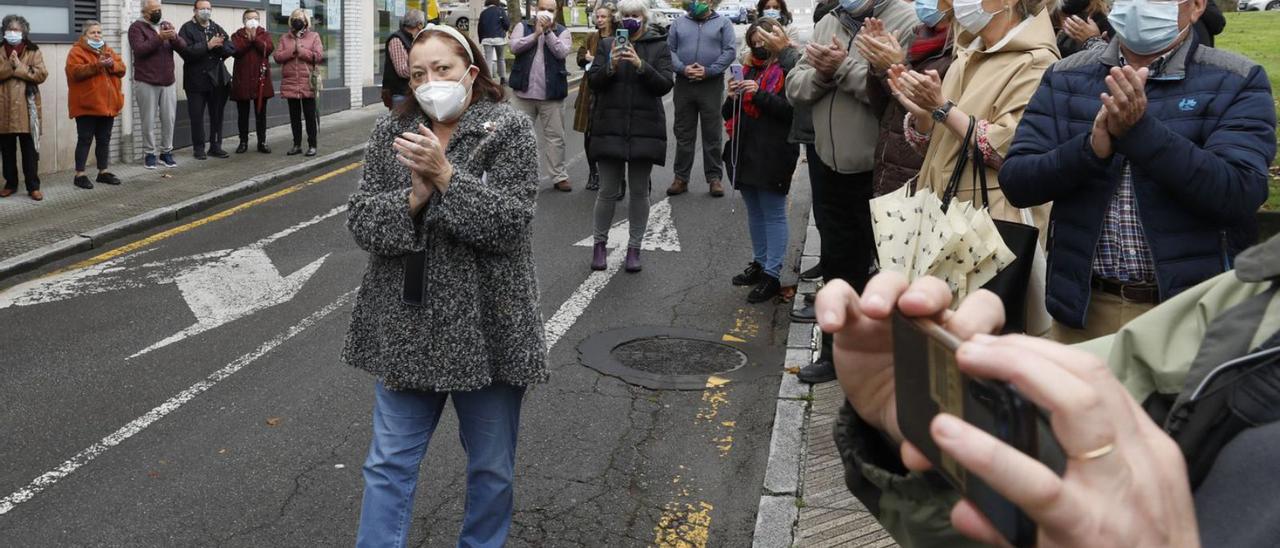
(139, 244)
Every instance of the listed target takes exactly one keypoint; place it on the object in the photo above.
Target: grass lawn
(1256, 35)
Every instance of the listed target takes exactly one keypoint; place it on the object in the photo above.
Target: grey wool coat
(480, 323)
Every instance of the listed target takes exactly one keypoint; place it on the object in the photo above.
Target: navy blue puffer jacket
(1199, 159)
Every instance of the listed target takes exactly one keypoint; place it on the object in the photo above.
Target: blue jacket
(494, 22)
(1199, 159)
(710, 43)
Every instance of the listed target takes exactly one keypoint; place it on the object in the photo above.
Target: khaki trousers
(1107, 313)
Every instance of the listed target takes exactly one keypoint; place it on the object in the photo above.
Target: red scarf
(20, 48)
(928, 42)
(770, 78)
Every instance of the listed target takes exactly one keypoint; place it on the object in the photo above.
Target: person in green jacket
(1119, 406)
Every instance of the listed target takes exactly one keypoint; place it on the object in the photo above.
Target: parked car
(1258, 5)
(663, 13)
(457, 16)
(735, 11)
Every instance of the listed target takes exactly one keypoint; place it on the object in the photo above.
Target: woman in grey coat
(448, 308)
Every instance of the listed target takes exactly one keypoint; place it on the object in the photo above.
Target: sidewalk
(804, 501)
(72, 220)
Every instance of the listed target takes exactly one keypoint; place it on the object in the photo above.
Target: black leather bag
(1011, 283)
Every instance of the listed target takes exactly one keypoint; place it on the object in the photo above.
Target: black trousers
(197, 101)
(297, 109)
(88, 130)
(259, 109)
(9, 144)
(842, 212)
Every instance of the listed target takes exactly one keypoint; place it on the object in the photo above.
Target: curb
(100, 236)
(782, 494)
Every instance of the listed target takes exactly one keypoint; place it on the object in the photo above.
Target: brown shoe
(564, 186)
(678, 186)
(6, 192)
(717, 189)
(37, 195)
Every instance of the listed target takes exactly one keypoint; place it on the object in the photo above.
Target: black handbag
(1011, 283)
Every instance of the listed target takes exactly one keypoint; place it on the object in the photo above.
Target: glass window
(52, 20)
(326, 20)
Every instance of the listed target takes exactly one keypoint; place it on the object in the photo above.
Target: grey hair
(88, 24)
(20, 20)
(632, 7)
(413, 19)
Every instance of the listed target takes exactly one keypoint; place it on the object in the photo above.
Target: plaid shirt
(1122, 253)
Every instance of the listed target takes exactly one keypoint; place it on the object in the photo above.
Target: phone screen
(736, 70)
(927, 382)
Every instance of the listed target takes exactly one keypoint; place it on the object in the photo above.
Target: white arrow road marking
(47, 479)
(218, 286)
(659, 235)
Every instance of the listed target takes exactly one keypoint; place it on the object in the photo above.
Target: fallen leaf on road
(222, 451)
(153, 474)
(274, 421)
(166, 176)
(793, 370)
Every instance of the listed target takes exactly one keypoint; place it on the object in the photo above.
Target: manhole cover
(668, 358)
(678, 356)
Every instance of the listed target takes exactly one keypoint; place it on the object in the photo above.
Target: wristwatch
(940, 113)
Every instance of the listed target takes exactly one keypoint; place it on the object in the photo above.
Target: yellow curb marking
(139, 244)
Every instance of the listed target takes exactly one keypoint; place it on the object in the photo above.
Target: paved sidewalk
(805, 502)
(68, 212)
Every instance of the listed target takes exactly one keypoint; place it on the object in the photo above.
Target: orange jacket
(93, 90)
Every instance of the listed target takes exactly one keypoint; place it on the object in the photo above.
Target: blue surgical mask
(1145, 27)
(928, 13)
(773, 14)
(96, 44)
(12, 37)
(971, 16)
(855, 7)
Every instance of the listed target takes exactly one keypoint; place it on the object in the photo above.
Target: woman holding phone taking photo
(448, 308)
(628, 126)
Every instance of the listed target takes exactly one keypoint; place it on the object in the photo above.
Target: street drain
(679, 356)
(667, 358)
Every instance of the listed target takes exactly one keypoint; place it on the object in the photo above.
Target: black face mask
(297, 25)
(154, 17)
(760, 53)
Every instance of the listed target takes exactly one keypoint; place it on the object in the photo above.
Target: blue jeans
(767, 221)
(403, 422)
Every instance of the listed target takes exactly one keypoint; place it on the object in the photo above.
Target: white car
(662, 12)
(1258, 5)
(457, 16)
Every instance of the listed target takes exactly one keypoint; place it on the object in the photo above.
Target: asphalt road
(188, 391)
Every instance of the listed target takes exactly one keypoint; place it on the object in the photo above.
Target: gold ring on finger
(1096, 453)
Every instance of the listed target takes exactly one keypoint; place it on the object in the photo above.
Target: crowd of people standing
(95, 74)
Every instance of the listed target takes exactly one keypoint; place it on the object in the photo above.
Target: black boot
(767, 289)
(750, 276)
(818, 372)
(244, 146)
(296, 150)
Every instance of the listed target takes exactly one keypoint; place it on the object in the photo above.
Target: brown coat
(14, 80)
(582, 106)
(298, 56)
(93, 90)
(993, 85)
(896, 160)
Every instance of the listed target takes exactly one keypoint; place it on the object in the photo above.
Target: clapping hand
(826, 58)
(423, 154)
(1080, 30)
(881, 53)
(216, 41)
(106, 61)
(919, 93)
(1127, 102)
(775, 40)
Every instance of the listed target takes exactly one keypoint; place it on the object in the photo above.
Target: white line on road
(577, 303)
(137, 425)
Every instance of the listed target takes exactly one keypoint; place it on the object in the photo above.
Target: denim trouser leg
(403, 422)
(767, 219)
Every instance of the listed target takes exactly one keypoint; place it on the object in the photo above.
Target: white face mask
(971, 16)
(251, 24)
(443, 101)
(546, 14)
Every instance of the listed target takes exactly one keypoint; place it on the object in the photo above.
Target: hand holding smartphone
(736, 71)
(928, 381)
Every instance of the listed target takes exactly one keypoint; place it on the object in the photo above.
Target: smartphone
(621, 38)
(927, 382)
(736, 70)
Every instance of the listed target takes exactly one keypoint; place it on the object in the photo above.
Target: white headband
(453, 33)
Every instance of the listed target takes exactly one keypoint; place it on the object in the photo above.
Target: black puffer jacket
(628, 121)
(765, 160)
